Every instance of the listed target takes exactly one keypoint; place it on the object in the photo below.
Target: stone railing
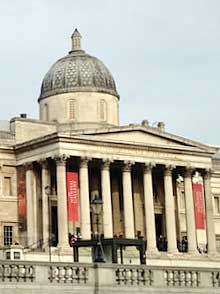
(68, 274)
(17, 273)
(105, 278)
(134, 276)
(182, 278)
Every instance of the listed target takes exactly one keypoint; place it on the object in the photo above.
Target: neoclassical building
(153, 184)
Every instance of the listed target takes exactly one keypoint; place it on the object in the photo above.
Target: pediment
(151, 137)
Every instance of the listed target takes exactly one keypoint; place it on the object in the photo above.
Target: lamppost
(96, 205)
(48, 193)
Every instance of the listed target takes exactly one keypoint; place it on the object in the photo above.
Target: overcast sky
(163, 54)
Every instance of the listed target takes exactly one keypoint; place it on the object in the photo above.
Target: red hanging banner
(72, 196)
(21, 190)
(199, 207)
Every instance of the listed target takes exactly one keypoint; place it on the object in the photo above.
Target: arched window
(72, 109)
(46, 112)
(103, 110)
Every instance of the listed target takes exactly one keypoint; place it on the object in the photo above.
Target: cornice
(59, 137)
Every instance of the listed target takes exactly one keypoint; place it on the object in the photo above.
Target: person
(184, 244)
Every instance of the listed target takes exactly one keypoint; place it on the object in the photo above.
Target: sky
(164, 57)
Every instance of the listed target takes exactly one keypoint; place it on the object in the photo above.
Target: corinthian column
(30, 220)
(128, 201)
(169, 211)
(209, 214)
(62, 202)
(84, 199)
(106, 197)
(45, 179)
(190, 214)
(149, 210)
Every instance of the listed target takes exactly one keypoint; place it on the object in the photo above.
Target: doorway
(54, 226)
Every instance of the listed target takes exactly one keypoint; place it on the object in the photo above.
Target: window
(72, 109)
(8, 230)
(103, 110)
(182, 200)
(7, 186)
(216, 205)
(218, 243)
(46, 112)
(17, 255)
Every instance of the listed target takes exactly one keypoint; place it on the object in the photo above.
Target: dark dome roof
(77, 72)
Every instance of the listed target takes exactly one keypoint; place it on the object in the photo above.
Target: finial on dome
(76, 40)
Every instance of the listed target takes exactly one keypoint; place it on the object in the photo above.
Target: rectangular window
(216, 205)
(7, 186)
(8, 233)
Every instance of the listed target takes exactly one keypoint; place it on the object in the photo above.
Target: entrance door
(161, 240)
(54, 226)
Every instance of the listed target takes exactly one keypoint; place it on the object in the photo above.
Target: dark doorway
(161, 240)
(54, 227)
(159, 223)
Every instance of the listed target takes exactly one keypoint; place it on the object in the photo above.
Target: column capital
(189, 170)
(148, 166)
(168, 169)
(84, 161)
(207, 173)
(61, 159)
(127, 165)
(106, 163)
(28, 165)
(43, 162)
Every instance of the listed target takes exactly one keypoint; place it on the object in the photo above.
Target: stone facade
(143, 175)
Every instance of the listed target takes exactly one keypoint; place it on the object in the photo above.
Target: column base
(213, 254)
(193, 253)
(151, 252)
(65, 250)
(173, 252)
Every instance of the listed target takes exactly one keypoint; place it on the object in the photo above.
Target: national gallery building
(152, 185)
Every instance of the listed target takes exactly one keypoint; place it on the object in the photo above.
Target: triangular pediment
(147, 136)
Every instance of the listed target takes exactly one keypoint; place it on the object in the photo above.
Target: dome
(77, 72)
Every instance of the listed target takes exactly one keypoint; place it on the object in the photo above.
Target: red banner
(21, 188)
(199, 206)
(72, 196)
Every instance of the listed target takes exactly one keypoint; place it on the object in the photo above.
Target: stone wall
(21, 278)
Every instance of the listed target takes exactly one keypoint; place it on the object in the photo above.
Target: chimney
(23, 115)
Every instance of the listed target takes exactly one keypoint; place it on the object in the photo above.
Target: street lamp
(96, 205)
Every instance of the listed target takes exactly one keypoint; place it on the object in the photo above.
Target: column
(46, 189)
(210, 228)
(149, 210)
(106, 197)
(1, 179)
(128, 201)
(84, 200)
(169, 211)
(190, 214)
(28, 176)
(35, 210)
(62, 202)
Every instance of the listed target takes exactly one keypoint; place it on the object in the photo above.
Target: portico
(139, 181)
